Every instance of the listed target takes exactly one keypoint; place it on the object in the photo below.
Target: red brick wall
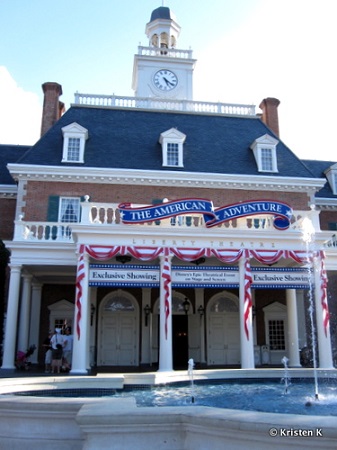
(327, 217)
(38, 194)
(7, 216)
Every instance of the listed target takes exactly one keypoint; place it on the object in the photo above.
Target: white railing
(106, 215)
(171, 52)
(110, 101)
(43, 231)
(331, 243)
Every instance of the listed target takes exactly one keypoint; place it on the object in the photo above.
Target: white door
(223, 339)
(118, 346)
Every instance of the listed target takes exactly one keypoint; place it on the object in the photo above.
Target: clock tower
(161, 70)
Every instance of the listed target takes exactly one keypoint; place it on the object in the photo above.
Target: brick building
(161, 228)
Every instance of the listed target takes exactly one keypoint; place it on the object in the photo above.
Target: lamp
(123, 258)
(198, 261)
(186, 306)
(201, 311)
(92, 313)
(147, 311)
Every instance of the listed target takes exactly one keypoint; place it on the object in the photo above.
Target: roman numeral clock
(165, 80)
(161, 70)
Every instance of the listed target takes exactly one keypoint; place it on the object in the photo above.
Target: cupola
(162, 30)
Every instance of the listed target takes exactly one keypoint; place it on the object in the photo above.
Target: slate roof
(163, 12)
(128, 139)
(10, 154)
(318, 168)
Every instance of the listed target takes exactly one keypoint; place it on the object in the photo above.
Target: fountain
(190, 374)
(286, 378)
(76, 423)
(308, 237)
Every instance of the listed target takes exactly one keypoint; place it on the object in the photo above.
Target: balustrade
(164, 104)
(107, 215)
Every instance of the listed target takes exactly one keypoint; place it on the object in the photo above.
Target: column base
(78, 372)
(7, 372)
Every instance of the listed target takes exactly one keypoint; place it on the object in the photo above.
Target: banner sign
(122, 276)
(281, 212)
(289, 278)
(189, 276)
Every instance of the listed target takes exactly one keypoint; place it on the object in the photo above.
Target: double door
(118, 343)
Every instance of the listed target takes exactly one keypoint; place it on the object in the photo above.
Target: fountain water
(190, 374)
(308, 237)
(286, 378)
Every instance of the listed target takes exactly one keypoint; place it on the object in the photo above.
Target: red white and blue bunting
(104, 253)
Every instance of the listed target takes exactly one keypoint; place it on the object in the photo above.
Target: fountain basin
(105, 423)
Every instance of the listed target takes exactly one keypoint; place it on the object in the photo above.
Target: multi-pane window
(265, 154)
(172, 142)
(267, 159)
(74, 138)
(69, 210)
(172, 154)
(73, 149)
(276, 335)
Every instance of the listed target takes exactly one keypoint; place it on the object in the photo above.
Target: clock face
(165, 80)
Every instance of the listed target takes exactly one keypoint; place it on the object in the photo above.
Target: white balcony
(114, 101)
(106, 217)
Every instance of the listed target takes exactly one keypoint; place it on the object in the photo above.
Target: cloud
(20, 112)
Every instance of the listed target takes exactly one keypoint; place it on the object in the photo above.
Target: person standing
(67, 349)
(57, 342)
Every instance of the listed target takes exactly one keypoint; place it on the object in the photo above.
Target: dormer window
(74, 137)
(172, 142)
(264, 149)
(331, 174)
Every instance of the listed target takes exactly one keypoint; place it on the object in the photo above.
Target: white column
(11, 318)
(25, 312)
(323, 335)
(93, 324)
(146, 327)
(294, 351)
(80, 360)
(246, 339)
(200, 301)
(165, 332)
(34, 328)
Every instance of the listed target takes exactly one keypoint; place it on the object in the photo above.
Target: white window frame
(265, 142)
(172, 136)
(62, 209)
(74, 131)
(331, 174)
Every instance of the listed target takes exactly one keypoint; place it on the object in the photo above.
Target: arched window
(119, 303)
(224, 305)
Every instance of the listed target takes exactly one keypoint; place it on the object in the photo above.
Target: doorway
(180, 341)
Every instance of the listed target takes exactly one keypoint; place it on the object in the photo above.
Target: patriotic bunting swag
(248, 296)
(324, 301)
(166, 274)
(104, 253)
(79, 281)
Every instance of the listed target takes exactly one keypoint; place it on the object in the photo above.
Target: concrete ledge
(197, 428)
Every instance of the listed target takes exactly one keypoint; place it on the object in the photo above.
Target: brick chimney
(52, 107)
(269, 114)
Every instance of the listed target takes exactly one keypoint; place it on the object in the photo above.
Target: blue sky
(246, 50)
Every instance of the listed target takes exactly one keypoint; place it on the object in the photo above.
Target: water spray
(286, 378)
(190, 374)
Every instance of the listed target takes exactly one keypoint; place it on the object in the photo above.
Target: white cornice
(326, 203)
(163, 178)
(8, 190)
